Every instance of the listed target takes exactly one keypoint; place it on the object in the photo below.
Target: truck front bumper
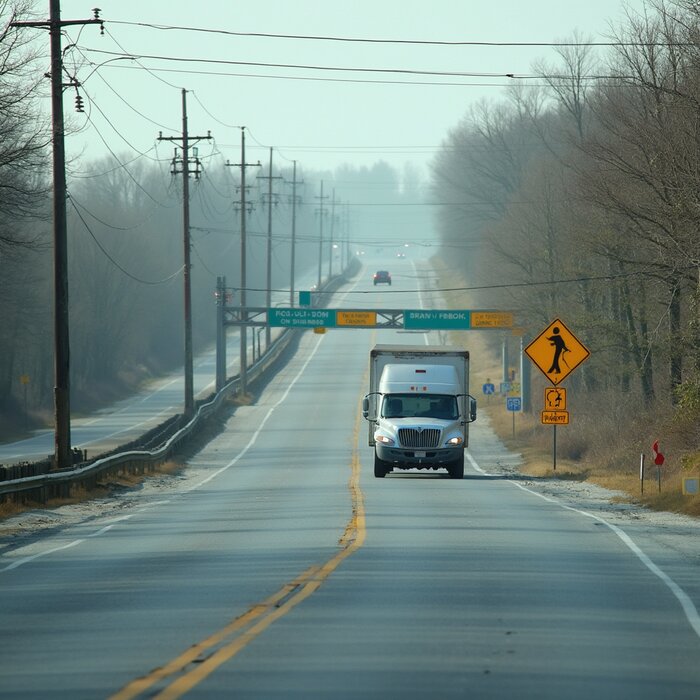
(420, 459)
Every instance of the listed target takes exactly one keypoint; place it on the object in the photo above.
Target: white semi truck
(419, 408)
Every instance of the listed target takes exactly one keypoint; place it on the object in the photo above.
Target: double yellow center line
(202, 659)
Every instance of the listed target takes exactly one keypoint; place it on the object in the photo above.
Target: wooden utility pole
(268, 298)
(294, 235)
(62, 440)
(320, 236)
(292, 274)
(243, 334)
(185, 140)
(330, 257)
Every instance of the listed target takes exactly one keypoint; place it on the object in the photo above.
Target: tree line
(580, 199)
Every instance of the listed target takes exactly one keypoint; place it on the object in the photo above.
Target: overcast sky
(322, 118)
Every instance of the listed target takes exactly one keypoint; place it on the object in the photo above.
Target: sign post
(488, 388)
(557, 352)
(658, 460)
(513, 404)
(24, 379)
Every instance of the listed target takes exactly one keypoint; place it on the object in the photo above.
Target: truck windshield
(439, 406)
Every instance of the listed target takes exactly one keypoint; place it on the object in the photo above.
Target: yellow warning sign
(557, 352)
(491, 319)
(554, 399)
(356, 318)
(555, 417)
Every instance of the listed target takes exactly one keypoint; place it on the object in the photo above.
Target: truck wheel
(380, 470)
(456, 469)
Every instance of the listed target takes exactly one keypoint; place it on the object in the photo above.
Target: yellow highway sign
(557, 352)
(492, 319)
(356, 318)
(555, 417)
(554, 399)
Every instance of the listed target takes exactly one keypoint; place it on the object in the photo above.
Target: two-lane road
(288, 571)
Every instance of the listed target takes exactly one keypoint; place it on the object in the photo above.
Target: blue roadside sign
(488, 389)
(514, 403)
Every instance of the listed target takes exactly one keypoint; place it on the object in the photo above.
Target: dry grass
(80, 494)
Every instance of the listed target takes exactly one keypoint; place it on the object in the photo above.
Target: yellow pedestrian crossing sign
(557, 352)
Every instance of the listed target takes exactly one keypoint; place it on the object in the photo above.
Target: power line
(112, 260)
(415, 42)
(511, 285)
(359, 81)
(299, 66)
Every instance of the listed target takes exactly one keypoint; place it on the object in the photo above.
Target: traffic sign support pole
(554, 449)
(524, 378)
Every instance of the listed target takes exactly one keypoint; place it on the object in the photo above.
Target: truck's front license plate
(419, 454)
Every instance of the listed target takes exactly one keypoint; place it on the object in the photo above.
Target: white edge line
(254, 437)
(689, 609)
(19, 562)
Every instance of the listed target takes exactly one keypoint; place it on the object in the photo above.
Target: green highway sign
(422, 319)
(301, 318)
(414, 319)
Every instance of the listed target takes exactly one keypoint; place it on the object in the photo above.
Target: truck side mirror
(365, 407)
(472, 409)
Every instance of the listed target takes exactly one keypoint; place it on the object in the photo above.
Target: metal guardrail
(58, 484)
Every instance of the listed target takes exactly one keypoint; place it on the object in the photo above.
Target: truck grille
(410, 437)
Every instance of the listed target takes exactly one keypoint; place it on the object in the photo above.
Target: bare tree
(24, 133)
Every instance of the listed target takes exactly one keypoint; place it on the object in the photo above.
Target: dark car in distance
(382, 277)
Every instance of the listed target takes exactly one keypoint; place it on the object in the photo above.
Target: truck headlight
(452, 442)
(384, 439)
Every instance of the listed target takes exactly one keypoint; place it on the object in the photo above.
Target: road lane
(473, 588)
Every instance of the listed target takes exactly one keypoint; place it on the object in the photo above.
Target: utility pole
(244, 316)
(294, 235)
(330, 257)
(220, 296)
(184, 139)
(268, 298)
(320, 238)
(62, 439)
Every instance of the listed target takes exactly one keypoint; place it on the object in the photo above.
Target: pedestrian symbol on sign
(559, 350)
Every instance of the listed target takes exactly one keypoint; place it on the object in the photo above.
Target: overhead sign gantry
(406, 319)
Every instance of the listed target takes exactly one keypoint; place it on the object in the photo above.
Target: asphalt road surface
(286, 570)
